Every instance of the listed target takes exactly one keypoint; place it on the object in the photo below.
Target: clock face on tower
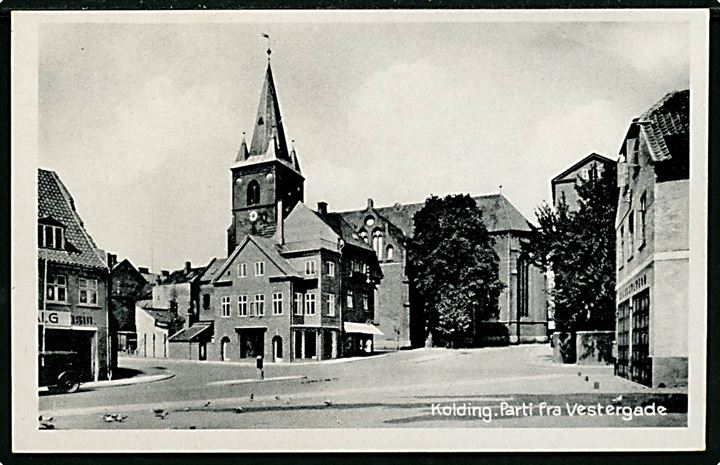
(253, 216)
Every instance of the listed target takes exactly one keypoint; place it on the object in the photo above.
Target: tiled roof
(664, 122)
(343, 229)
(498, 215)
(160, 315)
(212, 269)
(55, 201)
(183, 275)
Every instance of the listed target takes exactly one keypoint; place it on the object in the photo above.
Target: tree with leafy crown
(454, 268)
(579, 248)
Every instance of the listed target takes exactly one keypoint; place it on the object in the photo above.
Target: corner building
(653, 246)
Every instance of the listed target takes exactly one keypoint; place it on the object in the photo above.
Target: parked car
(58, 370)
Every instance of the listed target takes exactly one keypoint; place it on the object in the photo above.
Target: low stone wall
(563, 344)
(594, 347)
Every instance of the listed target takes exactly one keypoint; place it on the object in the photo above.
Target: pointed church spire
(269, 133)
(243, 152)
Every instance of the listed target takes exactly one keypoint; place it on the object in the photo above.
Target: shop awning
(361, 328)
(191, 334)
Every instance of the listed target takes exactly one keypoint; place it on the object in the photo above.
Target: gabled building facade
(522, 305)
(73, 278)
(653, 245)
(563, 185)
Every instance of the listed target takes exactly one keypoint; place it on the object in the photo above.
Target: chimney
(143, 270)
(280, 223)
(165, 273)
(188, 265)
(322, 208)
(370, 204)
(111, 260)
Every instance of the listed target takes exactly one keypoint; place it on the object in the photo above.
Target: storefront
(64, 332)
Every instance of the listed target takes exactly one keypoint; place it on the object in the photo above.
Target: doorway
(277, 345)
(224, 343)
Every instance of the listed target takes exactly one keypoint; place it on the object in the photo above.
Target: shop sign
(51, 318)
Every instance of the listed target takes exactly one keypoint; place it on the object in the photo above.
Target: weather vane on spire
(267, 36)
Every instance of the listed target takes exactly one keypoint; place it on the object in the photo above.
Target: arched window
(389, 252)
(253, 193)
(378, 240)
(364, 236)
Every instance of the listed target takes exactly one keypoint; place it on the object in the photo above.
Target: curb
(120, 382)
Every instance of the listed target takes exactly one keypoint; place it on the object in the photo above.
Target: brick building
(522, 304)
(653, 245)
(563, 185)
(73, 279)
(128, 286)
(297, 284)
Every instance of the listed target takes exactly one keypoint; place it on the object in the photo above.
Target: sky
(143, 121)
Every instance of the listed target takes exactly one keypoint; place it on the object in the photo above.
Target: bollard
(259, 364)
(587, 378)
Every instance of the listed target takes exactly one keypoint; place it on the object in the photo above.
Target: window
(56, 288)
(242, 305)
(260, 304)
(364, 236)
(253, 193)
(242, 270)
(389, 252)
(310, 267)
(377, 243)
(331, 268)
(225, 306)
(259, 268)
(349, 298)
(51, 237)
(277, 303)
(298, 304)
(641, 219)
(631, 235)
(365, 301)
(310, 303)
(621, 247)
(331, 304)
(206, 301)
(88, 291)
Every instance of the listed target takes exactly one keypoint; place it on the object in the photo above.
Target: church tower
(266, 178)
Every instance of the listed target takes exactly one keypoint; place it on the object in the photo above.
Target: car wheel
(69, 382)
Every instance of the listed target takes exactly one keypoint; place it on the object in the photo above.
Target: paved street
(419, 388)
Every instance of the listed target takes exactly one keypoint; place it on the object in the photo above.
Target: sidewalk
(125, 377)
(332, 361)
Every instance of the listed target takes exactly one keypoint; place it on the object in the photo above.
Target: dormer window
(51, 236)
